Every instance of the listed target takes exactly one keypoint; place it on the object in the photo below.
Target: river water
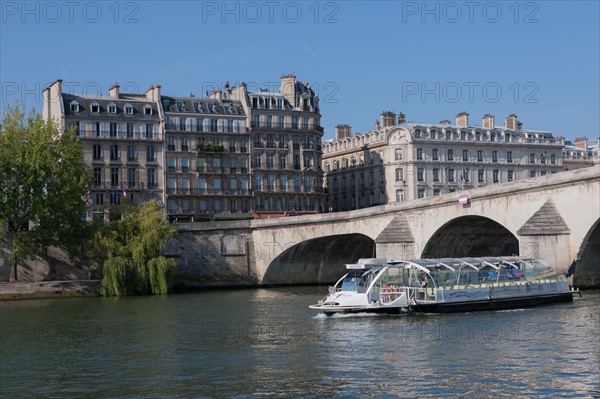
(267, 343)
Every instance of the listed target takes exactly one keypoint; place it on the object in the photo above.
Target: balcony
(209, 147)
(112, 136)
(285, 126)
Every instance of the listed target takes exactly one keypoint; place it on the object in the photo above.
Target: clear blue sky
(430, 60)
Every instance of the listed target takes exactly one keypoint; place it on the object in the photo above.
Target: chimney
(113, 91)
(219, 95)
(581, 142)
(510, 122)
(462, 119)
(377, 126)
(445, 122)
(153, 93)
(488, 121)
(288, 88)
(342, 131)
(401, 118)
(387, 119)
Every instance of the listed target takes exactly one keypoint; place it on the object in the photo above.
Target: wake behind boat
(444, 285)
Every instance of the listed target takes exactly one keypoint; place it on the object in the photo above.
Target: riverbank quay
(46, 289)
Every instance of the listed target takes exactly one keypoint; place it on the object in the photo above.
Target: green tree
(43, 187)
(129, 251)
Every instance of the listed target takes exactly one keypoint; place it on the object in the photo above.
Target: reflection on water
(257, 343)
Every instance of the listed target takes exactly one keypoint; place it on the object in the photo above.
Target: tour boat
(376, 285)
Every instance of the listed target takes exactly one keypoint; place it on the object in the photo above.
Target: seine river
(267, 343)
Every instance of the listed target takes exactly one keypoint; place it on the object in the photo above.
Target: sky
(427, 59)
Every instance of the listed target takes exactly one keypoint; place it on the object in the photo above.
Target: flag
(124, 194)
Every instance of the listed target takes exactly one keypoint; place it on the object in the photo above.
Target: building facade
(581, 153)
(122, 138)
(207, 158)
(401, 161)
(285, 136)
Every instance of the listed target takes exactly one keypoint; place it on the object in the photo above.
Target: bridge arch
(587, 271)
(318, 260)
(471, 236)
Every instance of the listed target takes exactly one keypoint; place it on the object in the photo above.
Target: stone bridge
(554, 217)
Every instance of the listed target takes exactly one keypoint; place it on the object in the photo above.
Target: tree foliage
(43, 186)
(130, 252)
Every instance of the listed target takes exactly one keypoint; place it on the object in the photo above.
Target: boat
(377, 285)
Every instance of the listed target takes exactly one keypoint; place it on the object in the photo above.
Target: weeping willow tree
(130, 253)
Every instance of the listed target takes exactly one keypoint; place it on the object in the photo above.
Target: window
(114, 152)
(74, 106)
(436, 192)
(436, 175)
(112, 109)
(419, 174)
(185, 164)
(305, 122)
(283, 182)
(433, 134)
(99, 199)
(229, 126)
(448, 134)
(463, 135)
(509, 175)
(531, 158)
(434, 154)
(282, 161)
(543, 158)
(307, 161)
(297, 183)
(492, 136)
(418, 133)
(294, 122)
(257, 158)
(419, 153)
(97, 177)
(421, 193)
(97, 151)
(552, 158)
(494, 156)
(398, 156)
(129, 127)
(480, 176)
(128, 110)
(281, 122)
(532, 173)
(509, 156)
(147, 110)
(131, 153)
(149, 131)
(270, 162)
(495, 176)
(450, 155)
(131, 174)
(478, 136)
(280, 103)
(465, 155)
(399, 174)
(282, 141)
(307, 184)
(271, 183)
(199, 124)
(479, 156)
(95, 108)
(399, 195)
(213, 125)
(114, 177)
(171, 164)
(113, 129)
(98, 132)
(150, 156)
(450, 175)
(151, 178)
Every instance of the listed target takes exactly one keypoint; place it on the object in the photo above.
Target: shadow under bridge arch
(471, 236)
(587, 271)
(318, 260)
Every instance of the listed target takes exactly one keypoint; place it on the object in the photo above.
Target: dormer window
(74, 106)
(147, 110)
(128, 109)
(418, 133)
(95, 108)
(112, 109)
